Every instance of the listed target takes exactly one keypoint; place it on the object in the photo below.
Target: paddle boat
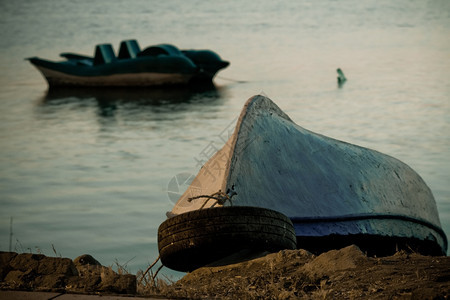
(334, 193)
(156, 65)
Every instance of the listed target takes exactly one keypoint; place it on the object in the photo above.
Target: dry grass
(148, 282)
(149, 286)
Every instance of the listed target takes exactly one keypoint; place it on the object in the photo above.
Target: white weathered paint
(56, 78)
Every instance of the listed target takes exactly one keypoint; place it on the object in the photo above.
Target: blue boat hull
(335, 193)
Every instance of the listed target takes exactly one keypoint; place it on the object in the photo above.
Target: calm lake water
(88, 172)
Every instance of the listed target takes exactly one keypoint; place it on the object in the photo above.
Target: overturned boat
(334, 193)
(157, 65)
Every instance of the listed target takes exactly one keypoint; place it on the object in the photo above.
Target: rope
(223, 78)
(219, 196)
(230, 79)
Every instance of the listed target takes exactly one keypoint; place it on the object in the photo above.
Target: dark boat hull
(333, 192)
(155, 66)
(56, 78)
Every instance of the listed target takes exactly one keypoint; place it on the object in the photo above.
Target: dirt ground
(338, 274)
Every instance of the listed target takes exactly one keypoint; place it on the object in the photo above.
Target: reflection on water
(114, 151)
(134, 100)
(153, 96)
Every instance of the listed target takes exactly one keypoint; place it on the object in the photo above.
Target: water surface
(87, 171)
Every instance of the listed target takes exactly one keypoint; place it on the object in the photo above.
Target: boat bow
(325, 186)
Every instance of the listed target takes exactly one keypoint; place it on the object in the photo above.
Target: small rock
(122, 284)
(50, 283)
(335, 260)
(55, 265)
(86, 259)
(26, 261)
(17, 279)
(5, 267)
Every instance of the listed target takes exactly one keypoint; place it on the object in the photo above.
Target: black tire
(196, 238)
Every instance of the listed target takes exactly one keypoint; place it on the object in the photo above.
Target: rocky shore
(37, 272)
(289, 274)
